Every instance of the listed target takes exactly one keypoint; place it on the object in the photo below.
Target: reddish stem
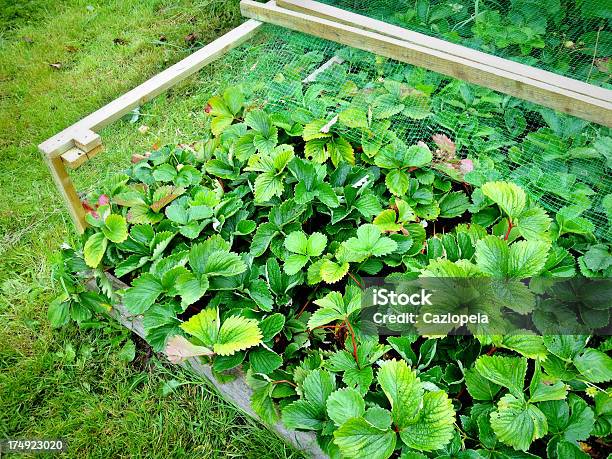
(510, 226)
(306, 305)
(352, 332)
(356, 281)
(492, 351)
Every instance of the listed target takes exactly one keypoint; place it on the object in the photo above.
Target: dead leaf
(191, 38)
(28, 39)
(162, 38)
(143, 129)
(179, 349)
(120, 41)
(56, 65)
(71, 49)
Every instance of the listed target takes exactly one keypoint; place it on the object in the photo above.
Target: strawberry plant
(249, 250)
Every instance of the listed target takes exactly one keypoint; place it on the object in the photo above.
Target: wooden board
(343, 16)
(236, 392)
(546, 94)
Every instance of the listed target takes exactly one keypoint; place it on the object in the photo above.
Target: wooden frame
(80, 142)
(340, 15)
(557, 92)
(236, 391)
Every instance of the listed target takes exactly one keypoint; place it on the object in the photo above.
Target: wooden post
(565, 100)
(66, 188)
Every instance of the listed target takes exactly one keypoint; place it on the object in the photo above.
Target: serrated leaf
(294, 263)
(345, 404)
(317, 386)
(115, 228)
(533, 223)
(190, 288)
(353, 118)
(332, 272)
(142, 294)
(478, 387)
(403, 389)
(221, 263)
(340, 150)
(453, 204)
(517, 423)
(508, 196)
(508, 372)
(434, 426)
(204, 326)
(357, 438)
(236, 334)
(267, 185)
(312, 130)
(94, 249)
(303, 415)
(385, 221)
(271, 326)
(264, 361)
(397, 182)
(595, 365)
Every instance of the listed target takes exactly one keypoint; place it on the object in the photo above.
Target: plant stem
(510, 226)
(352, 332)
(285, 381)
(594, 55)
(356, 281)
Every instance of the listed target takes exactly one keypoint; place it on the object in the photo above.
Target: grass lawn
(60, 60)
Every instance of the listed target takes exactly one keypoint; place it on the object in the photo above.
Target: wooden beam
(66, 139)
(546, 94)
(332, 13)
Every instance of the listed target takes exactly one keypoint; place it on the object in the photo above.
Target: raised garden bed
(249, 249)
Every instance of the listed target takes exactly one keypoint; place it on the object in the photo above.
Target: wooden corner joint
(87, 144)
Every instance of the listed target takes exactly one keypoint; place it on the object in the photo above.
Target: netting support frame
(79, 142)
(535, 85)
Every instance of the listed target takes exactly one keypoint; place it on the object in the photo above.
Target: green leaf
(262, 238)
(236, 334)
(259, 121)
(508, 196)
(403, 389)
(221, 263)
(544, 389)
(190, 288)
(417, 156)
(58, 312)
(517, 423)
(345, 404)
(357, 438)
(508, 372)
(267, 185)
(385, 221)
(143, 293)
(527, 258)
(115, 228)
(294, 263)
(492, 255)
(297, 242)
(94, 249)
(594, 365)
(369, 242)
(234, 99)
(204, 326)
(303, 415)
(533, 223)
(354, 118)
(313, 130)
(316, 244)
(478, 387)
(598, 257)
(264, 361)
(397, 182)
(340, 150)
(317, 386)
(271, 326)
(453, 204)
(434, 426)
(332, 272)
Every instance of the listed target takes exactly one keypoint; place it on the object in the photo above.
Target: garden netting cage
(569, 37)
(564, 162)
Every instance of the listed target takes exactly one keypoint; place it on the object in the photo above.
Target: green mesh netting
(568, 37)
(563, 162)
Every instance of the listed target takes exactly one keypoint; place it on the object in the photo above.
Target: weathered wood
(75, 157)
(65, 140)
(564, 100)
(236, 392)
(87, 140)
(343, 16)
(68, 192)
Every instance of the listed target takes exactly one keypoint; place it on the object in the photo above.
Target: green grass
(72, 383)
